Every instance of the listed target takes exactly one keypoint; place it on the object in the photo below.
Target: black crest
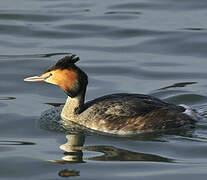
(65, 62)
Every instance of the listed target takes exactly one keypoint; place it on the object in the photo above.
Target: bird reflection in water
(73, 148)
(74, 152)
(68, 173)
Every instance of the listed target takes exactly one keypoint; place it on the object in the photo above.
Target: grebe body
(122, 114)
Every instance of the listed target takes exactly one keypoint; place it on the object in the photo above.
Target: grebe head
(66, 75)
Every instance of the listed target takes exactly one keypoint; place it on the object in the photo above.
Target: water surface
(142, 46)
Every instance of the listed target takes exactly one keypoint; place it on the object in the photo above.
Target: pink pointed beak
(37, 78)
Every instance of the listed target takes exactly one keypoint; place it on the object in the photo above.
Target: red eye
(48, 75)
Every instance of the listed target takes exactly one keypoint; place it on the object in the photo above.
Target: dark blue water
(143, 46)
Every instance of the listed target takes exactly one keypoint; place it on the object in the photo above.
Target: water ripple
(162, 5)
(15, 143)
(29, 16)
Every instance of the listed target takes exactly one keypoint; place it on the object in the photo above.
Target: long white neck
(71, 105)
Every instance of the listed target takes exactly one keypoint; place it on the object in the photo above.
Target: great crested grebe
(121, 114)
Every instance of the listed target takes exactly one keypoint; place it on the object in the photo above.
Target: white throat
(71, 104)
